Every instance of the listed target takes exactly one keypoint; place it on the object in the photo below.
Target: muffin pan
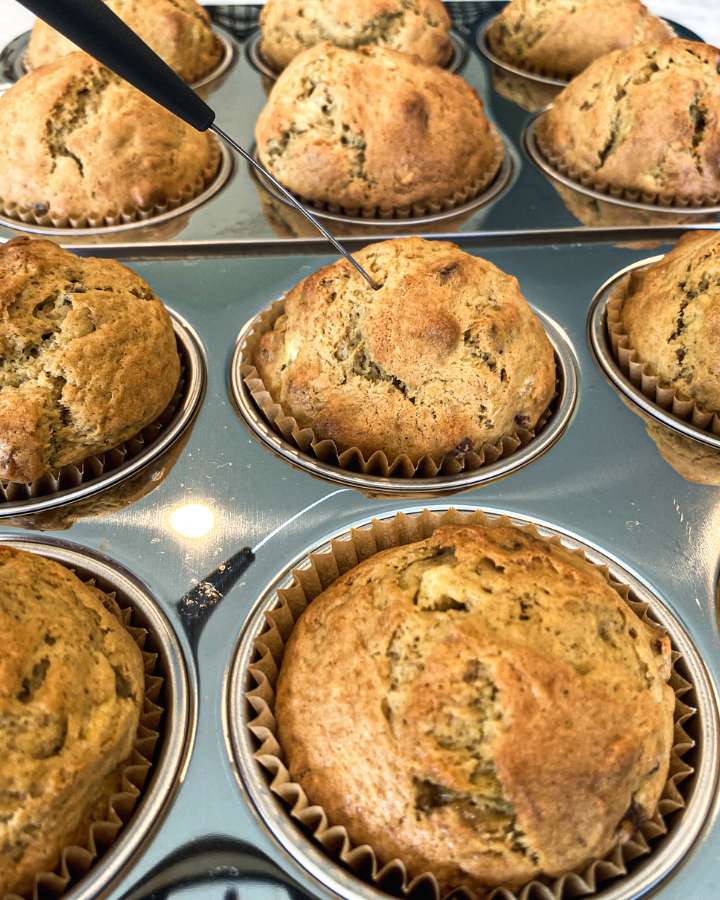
(244, 211)
(130, 470)
(647, 860)
(175, 701)
(547, 434)
(602, 486)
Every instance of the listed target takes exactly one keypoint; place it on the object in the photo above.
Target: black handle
(94, 26)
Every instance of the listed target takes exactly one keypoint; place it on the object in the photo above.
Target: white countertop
(702, 16)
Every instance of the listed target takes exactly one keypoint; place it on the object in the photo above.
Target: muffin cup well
(76, 860)
(642, 376)
(352, 458)
(375, 213)
(310, 578)
(582, 179)
(37, 217)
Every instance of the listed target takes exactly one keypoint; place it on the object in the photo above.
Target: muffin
(428, 145)
(420, 27)
(71, 696)
(177, 30)
(89, 357)
(80, 143)
(562, 37)
(642, 120)
(671, 316)
(445, 357)
(510, 714)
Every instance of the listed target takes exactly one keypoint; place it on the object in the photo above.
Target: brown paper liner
(417, 210)
(29, 215)
(590, 180)
(76, 860)
(642, 376)
(75, 474)
(310, 578)
(352, 458)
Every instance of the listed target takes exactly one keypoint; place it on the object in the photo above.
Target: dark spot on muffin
(465, 446)
(49, 639)
(40, 209)
(522, 420)
(122, 686)
(473, 670)
(447, 272)
(430, 795)
(35, 680)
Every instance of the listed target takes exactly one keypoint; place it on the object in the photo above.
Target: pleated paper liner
(642, 376)
(415, 210)
(352, 458)
(310, 578)
(39, 214)
(591, 181)
(72, 476)
(76, 860)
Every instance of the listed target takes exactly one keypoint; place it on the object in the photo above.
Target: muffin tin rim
(702, 801)
(255, 58)
(603, 356)
(180, 706)
(188, 409)
(549, 434)
(532, 150)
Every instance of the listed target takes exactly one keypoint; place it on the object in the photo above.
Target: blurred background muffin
(641, 123)
(177, 30)
(562, 37)
(89, 357)
(72, 683)
(427, 146)
(445, 357)
(81, 145)
(420, 27)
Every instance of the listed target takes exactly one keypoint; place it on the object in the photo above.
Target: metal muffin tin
(699, 789)
(178, 700)
(151, 459)
(244, 211)
(602, 484)
(12, 59)
(257, 61)
(561, 411)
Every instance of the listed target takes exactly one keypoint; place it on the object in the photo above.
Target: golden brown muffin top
(78, 140)
(672, 318)
(323, 134)
(481, 705)
(444, 357)
(562, 37)
(420, 27)
(177, 30)
(71, 694)
(643, 119)
(89, 357)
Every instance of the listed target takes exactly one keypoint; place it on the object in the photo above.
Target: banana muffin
(177, 30)
(79, 142)
(420, 27)
(89, 357)
(510, 714)
(71, 695)
(671, 314)
(562, 37)
(445, 357)
(643, 120)
(324, 137)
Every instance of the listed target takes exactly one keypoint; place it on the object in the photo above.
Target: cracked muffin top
(445, 357)
(88, 357)
(671, 314)
(78, 141)
(420, 27)
(71, 695)
(179, 31)
(324, 136)
(644, 120)
(562, 37)
(481, 705)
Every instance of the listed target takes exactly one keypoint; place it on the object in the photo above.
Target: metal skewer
(94, 27)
